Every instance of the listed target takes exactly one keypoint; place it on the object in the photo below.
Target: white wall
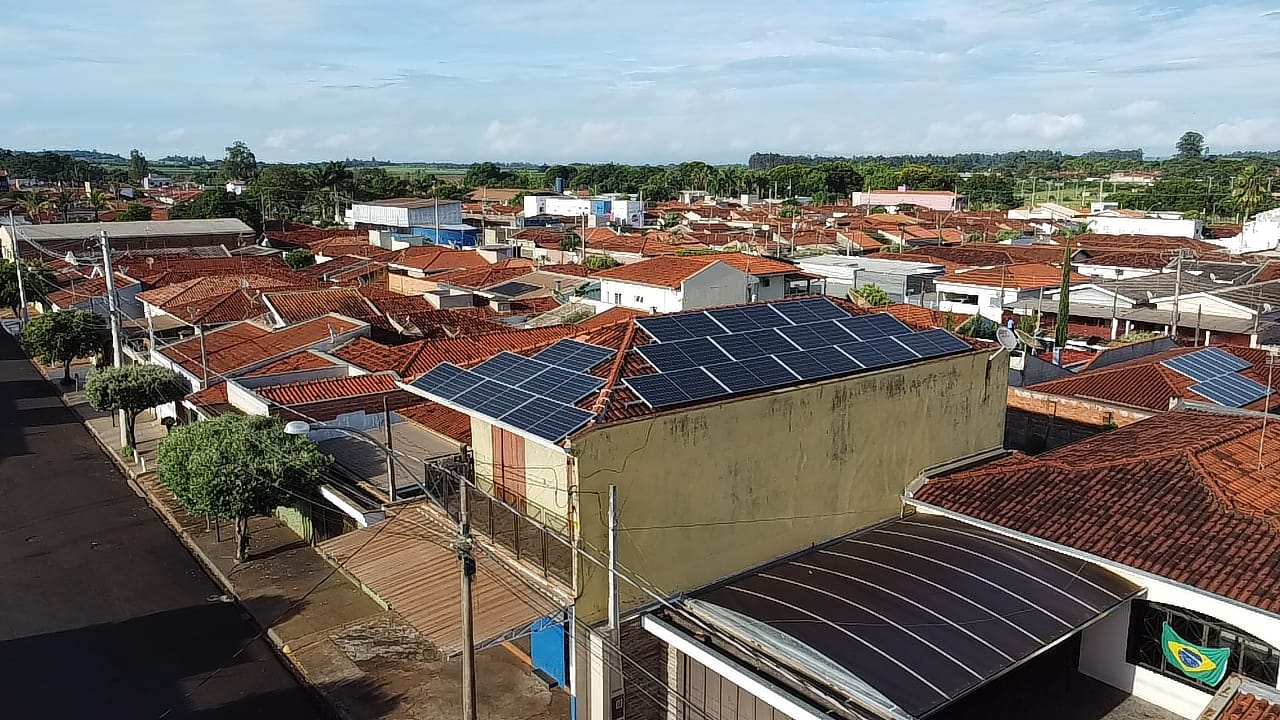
(990, 304)
(449, 213)
(1207, 305)
(1112, 272)
(640, 297)
(770, 287)
(1121, 225)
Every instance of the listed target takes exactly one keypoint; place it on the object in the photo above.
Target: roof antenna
(1007, 339)
(1272, 354)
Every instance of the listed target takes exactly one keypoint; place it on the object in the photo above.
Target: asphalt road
(103, 612)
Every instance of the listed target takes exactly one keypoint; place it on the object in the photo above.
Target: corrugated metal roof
(138, 228)
(409, 562)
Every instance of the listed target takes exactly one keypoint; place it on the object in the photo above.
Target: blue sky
(653, 81)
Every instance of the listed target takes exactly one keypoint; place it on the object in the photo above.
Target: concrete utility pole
(468, 631)
(1177, 296)
(614, 623)
(391, 465)
(23, 316)
(113, 310)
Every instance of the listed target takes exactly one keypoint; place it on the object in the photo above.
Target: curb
(219, 578)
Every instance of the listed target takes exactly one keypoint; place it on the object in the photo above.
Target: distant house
(673, 283)
(893, 199)
(155, 181)
(237, 187)
(986, 291)
(1133, 222)
(414, 221)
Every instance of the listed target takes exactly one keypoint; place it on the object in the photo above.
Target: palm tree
(1250, 191)
(98, 201)
(331, 175)
(66, 200)
(35, 204)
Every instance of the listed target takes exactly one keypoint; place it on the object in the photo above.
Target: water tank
(560, 185)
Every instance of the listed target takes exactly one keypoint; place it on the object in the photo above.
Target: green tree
(874, 295)
(487, 174)
(1191, 145)
(334, 176)
(66, 200)
(35, 204)
(282, 189)
(36, 279)
(213, 204)
(134, 212)
(378, 184)
(570, 240)
(63, 336)
(240, 163)
(234, 467)
(98, 201)
(978, 327)
(1250, 192)
(1007, 235)
(601, 262)
(300, 258)
(138, 167)
(133, 388)
(1064, 299)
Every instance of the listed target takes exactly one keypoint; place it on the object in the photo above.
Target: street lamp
(299, 427)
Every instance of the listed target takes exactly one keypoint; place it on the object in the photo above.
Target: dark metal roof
(513, 289)
(923, 609)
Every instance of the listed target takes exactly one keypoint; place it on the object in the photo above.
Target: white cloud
(1139, 109)
(503, 137)
(1250, 133)
(283, 139)
(1044, 126)
(172, 136)
(336, 140)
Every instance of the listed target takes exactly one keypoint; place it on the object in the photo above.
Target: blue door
(548, 648)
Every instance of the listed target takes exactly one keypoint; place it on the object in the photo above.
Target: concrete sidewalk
(369, 660)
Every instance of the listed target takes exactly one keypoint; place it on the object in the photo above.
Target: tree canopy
(240, 163)
(37, 281)
(213, 204)
(300, 258)
(874, 295)
(134, 212)
(235, 466)
(138, 166)
(133, 388)
(1190, 146)
(63, 336)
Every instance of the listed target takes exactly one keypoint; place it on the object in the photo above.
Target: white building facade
(716, 284)
(1169, 224)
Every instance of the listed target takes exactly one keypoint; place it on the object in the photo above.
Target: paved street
(103, 613)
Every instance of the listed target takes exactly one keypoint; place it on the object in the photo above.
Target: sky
(657, 81)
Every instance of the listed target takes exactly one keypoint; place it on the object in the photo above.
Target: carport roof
(905, 617)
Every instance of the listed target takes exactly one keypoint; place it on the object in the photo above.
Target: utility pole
(113, 310)
(468, 631)
(391, 465)
(613, 564)
(1177, 296)
(23, 316)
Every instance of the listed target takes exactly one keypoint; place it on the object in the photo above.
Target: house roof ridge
(601, 403)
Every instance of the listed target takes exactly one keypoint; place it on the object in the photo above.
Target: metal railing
(502, 521)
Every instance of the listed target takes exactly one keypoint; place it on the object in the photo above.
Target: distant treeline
(962, 162)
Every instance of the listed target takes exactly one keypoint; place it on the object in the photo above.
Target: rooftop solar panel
(809, 310)
(835, 360)
(562, 385)
(560, 424)
(697, 384)
(438, 376)
(812, 335)
(771, 342)
(933, 343)
(700, 325)
(736, 377)
(574, 355)
(1206, 364)
(739, 346)
(460, 384)
(513, 289)
(664, 328)
(493, 398)
(804, 365)
(771, 372)
(658, 391)
(666, 356)
(497, 365)
(867, 327)
(1232, 390)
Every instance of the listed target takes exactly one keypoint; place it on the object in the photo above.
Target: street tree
(35, 204)
(63, 336)
(874, 295)
(240, 163)
(138, 167)
(1191, 145)
(66, 200)
(331, 175)
(134, 212)
(1064, 300)
(570, 240)
(234, 467)
(300, 258)
(97, 202)
(36, 278)
(214, 204)
(133, 388)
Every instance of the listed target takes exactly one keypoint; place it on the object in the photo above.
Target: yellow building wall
(482, 453)
(546, 481)
(701, 491)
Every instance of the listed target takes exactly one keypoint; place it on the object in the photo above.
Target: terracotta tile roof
(329, 389)
(414, 359)
(642, 245)
(1026, 276)
(161, 270)
(179, 294)
(1180, 495)
(80, 291)
(443, 420)
(1069, 356)
(449, 323)
(209, 397)
(301, 360)
(921, 318)
(240, 345)
(1240, 698)
(750, 264)
(431, 259)
(541, 237)
(532, 305)
(665, 271)
(566, 269)
(613, 315)
(1126, 259)
(1143, 382)
(295, 306)
(485, 277)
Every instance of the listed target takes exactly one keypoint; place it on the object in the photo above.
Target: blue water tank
(560, 185)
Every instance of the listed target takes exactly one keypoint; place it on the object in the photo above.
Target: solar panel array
(723, 352)
(1217, 377)
(536, 395)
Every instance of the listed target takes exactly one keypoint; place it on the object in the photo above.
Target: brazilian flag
(1208, 665)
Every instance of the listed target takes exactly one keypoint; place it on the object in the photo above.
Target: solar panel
(810, 310)
(497, 365)
(771, 372)
(808, 336)
(771, 342)
(666, 356)
(657, 390)
(574, 355)
(735, 376)
(562, 385)
(1206, 364)
(739, 346)
(697, 384)
(834, 360)
(894, 350)
(865, 354)
(933, 343)
(437, 376)
(513, 289)
(458, 385)
(867, 327)
(1231, 390)
(663, 328)
(751, 317)
(804, 365)
(699, 325)
(493, 399)
(520, 371)
(547, 419)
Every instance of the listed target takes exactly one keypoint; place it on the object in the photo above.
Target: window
(960, 298)
(764, 282)
(617, 298)
(994, 301)
(1249, 656)
(640, 298)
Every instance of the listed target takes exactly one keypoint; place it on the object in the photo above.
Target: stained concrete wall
(707, 492)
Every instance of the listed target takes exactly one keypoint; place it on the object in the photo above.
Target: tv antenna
(1008, 341)
(1032, 342)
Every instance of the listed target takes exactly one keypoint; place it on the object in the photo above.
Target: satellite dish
(1029, 340)
(1006, 337)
